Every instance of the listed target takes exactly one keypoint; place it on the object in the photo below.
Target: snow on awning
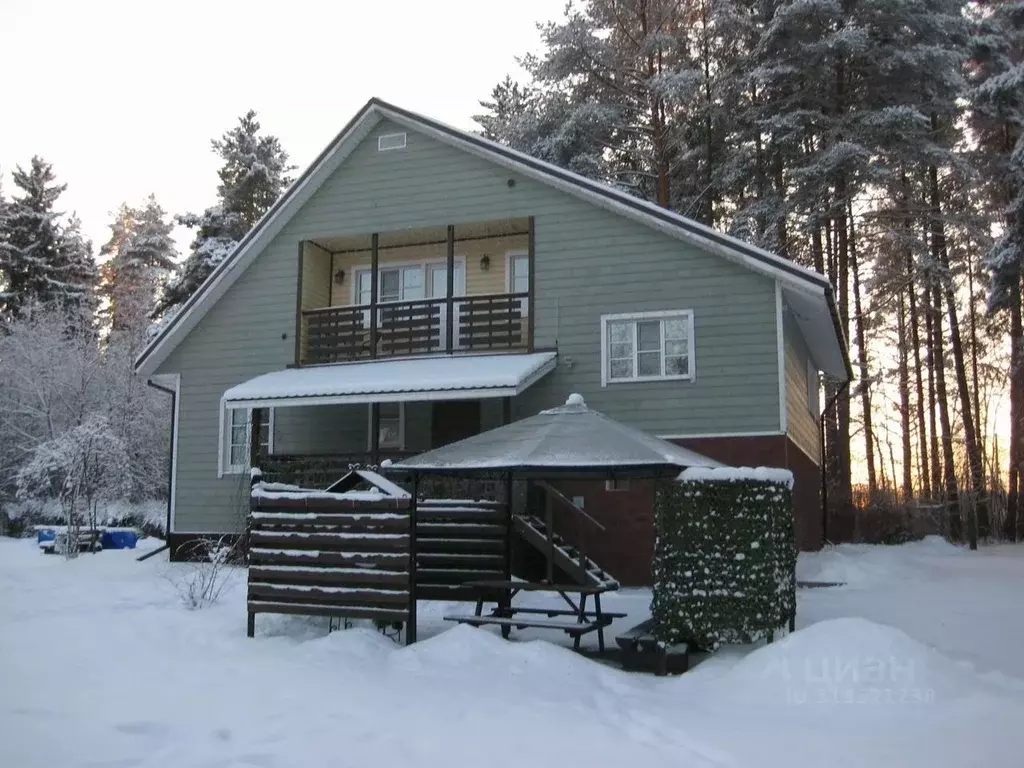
(426, 378)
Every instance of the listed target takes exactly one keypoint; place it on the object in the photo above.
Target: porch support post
(531, 249)
(255, 419)
(506, 410)
(410, 627)
(449, 326)
(509, 531)
(374, 277)
(298, 306)
(375, 433)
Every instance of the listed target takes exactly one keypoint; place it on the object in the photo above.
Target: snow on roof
(569, 437)
(726, 474)
(395, 380)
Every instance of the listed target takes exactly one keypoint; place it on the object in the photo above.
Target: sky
(123, 98)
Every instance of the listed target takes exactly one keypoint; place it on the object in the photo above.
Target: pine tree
(141, 253)
(997, 121)
(41, 259)
(253, 175)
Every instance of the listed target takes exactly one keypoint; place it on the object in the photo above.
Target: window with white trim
(391, 435)
(813, 390)
(236, 436)
(647, 346)
(518, 273)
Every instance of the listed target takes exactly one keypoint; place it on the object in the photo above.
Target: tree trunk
(844, 487)
(915, 338)
(1016, 413)
(976, 508)
(904, 375)
(862, 364)
(933, 406)
(952, 497)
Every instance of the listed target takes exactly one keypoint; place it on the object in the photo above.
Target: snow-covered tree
(82, 468)
(41, 259)
(140, 254)
(253, 175)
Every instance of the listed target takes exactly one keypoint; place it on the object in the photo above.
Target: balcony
(440, 290)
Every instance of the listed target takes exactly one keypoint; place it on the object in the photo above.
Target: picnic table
(507, 616)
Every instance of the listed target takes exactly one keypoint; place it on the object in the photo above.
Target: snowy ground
(916, 662)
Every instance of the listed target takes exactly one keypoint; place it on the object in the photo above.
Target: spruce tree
(140, 254)
(41, 260)
(253, 175)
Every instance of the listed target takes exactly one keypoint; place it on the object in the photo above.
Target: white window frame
(227, 468)
(690, 375)
(510, 257)
(401, 429)
(387, 142)
(460, 284)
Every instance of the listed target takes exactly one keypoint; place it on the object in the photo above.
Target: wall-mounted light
(339, 277)
(485, 262)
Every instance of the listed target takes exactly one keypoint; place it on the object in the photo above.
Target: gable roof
(789, 274)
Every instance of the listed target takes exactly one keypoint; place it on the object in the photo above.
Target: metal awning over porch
(402, 380)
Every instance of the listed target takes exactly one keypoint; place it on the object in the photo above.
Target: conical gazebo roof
(570, 440)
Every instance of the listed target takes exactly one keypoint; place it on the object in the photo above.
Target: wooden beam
(255, 418)
(531, 250)
(374, 433)
(298, 308)
(449, 329)
(506, 410)
(410, 627)
(374, 277)
(419, 243)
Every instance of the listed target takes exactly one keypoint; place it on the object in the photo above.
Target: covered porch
(320, 421)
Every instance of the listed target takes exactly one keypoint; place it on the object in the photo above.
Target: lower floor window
(239, 424)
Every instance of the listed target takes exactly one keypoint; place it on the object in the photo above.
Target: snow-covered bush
(725, 557)
(82, 468)
(207, 570)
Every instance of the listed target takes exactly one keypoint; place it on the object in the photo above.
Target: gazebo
(567, 442)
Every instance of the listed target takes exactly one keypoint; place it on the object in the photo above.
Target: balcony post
(531, 301)
(298, 306)
(375, 434)
(255, 420)
(374, 277)
(449, 330)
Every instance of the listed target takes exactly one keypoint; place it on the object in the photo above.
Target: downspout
(170, 458)
(824, 475)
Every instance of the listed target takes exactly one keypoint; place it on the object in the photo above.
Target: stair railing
(549, 522)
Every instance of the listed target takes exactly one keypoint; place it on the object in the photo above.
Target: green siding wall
(801, 425)
(589, 262)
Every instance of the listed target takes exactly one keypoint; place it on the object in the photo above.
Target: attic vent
(388, 141)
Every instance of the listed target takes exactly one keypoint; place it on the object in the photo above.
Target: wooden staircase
(564, 556)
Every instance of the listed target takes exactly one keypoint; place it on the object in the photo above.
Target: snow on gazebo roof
(571, 439)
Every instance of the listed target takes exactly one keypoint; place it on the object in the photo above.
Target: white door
(437, 288)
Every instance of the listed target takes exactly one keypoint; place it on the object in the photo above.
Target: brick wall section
(626, 547)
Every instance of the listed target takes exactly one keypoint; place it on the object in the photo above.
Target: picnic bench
(507, 616)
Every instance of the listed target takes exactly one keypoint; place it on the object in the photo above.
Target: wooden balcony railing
(478, 323)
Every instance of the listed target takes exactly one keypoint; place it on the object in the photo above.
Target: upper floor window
(518, 273)
(647, 346)
(237, 437)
